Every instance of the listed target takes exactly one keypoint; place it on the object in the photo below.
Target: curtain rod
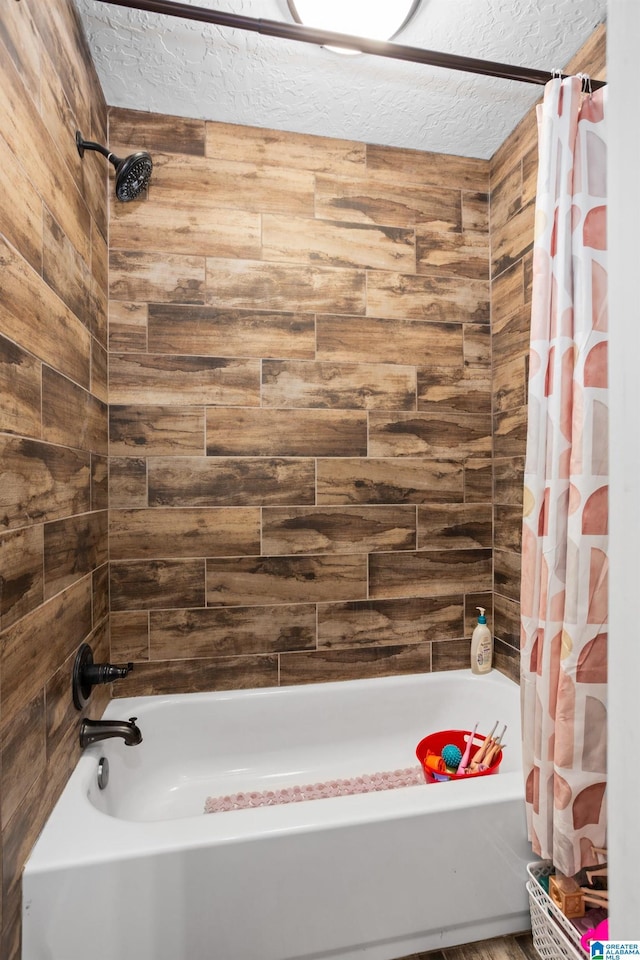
(379, 48)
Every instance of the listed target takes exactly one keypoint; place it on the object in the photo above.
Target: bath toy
(567, 895)
(452, 756)
(492, 754)
(434, 761)
(479, 755)
(486, 754)
(462, 769)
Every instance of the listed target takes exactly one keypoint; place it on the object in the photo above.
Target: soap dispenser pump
(481, 646)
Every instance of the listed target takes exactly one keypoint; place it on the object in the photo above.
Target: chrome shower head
(132, 173)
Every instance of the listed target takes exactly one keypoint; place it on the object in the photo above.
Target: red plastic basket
(435, 743)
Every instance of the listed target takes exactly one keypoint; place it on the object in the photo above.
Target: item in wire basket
(567, 895)
(591, 919)
(599, 932)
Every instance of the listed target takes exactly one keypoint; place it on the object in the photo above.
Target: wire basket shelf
(554, 937)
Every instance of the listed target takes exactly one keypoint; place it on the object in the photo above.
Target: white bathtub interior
(197, 745)
(376, 875)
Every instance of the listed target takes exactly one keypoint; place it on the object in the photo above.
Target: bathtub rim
(120, 705)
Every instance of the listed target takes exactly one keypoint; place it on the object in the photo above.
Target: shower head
(132, 173)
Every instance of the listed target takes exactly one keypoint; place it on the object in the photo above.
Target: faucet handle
(86, 674)
(105, 672)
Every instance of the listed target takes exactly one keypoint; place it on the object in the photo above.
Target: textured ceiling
(165, 65)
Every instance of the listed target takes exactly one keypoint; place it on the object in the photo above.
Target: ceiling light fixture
(374, 19)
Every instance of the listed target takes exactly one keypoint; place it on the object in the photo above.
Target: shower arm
(380, 48)
(83, 145)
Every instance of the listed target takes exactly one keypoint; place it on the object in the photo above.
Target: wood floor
(518, 947)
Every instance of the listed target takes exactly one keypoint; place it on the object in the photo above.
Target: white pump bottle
(481, 646)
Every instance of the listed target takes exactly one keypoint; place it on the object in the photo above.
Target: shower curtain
(565, 525)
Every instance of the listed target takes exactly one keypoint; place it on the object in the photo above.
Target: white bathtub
(138, 872)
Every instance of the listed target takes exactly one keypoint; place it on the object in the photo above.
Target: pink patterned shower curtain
(564, 542)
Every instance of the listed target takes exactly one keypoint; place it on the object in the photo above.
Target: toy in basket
(453, 754)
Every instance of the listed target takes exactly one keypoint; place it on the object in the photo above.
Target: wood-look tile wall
(514, 170)
(300, 408)
(53, 416)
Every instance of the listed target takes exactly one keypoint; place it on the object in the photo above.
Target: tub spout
(91, 731)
